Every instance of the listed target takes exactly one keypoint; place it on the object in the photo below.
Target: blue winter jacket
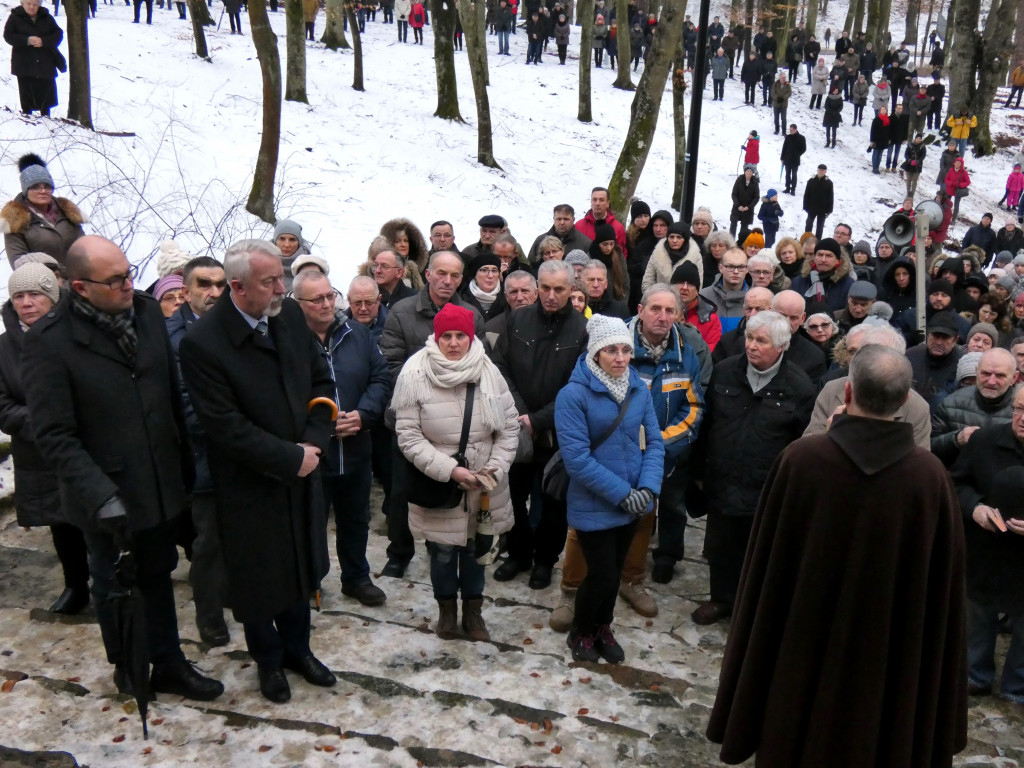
(674, 383)
(598, 481)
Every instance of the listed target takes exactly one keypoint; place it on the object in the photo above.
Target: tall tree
(445, 14)
(261, 196)
(357, 48)
(199, 12)
(622, 78)
(586, 16)
(855, 11)
(1018, 36)
(980, 57)
(79, 83)
(875, 22)
(913, 18)
(812, 18)
(334, 31)
(295, 46)
(472, 16)
(643, 114)
(679, 124)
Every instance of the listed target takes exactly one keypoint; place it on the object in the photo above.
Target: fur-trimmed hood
(843, 269)
(16, 215)
(417, 245)
(977, 256)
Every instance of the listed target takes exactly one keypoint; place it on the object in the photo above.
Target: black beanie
(638, 208)
(686, 273)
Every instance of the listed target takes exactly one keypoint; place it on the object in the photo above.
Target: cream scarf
(617, 386)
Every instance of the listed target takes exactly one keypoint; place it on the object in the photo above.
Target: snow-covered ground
(350, 160)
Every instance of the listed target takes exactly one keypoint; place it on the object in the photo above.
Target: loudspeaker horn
(899, 230)
(932, 211)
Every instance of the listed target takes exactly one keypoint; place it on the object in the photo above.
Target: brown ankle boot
(447, 618)
(473, 620)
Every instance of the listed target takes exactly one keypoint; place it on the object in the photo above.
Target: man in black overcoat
(102, 390)
(251, 367)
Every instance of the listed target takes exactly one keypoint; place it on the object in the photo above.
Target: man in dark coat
(757, 404)
(814, 674)
(750, 76)
(252, 368)
(204, 283)
(745, 194)
(387, 271)
(103, 395)
(547, 336)
(564, 228)
(793, 148)
(734, 342)
(600, 297)
(989, 478)
(802, 352)
(934, 361)
(818, 201)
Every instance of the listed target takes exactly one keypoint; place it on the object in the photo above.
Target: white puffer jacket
(429, 437)
(660, 267)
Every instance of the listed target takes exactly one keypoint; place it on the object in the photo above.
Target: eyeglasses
(1018, 411)
(488, 271)
(820, 327)
(116, 283)
(363, 303)
(326, 298)
(760, 272)
(734, 267)
(550, 251)
(172, 296)
(384, 267)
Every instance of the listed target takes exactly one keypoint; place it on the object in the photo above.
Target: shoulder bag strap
(615, 424)
(467, 418)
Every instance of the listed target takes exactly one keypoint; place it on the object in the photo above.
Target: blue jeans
(961, 146)
(810, 68)
(502, 41)
(349, 494)
(876, 158)
(892, 155)
(982, 628)
(454, 570)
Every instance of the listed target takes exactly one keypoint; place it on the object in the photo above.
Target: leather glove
(112, 517)
(637, 502)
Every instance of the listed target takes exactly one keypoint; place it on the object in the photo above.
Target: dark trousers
(401, 546)
(543, 545)
(1015, 90)
(810, 69)
(207, 574)
(725, 546)
(816, 100)
(561, 53)
(382, 438)
(779, 112)
(236, 22)
(749, 92)
(830, 134)
(718, 87)
(417, 35)
(819, 226)
(403, 31)
(286, 634)
(791, 171)
(534, 51)
(858, 114)
(766, 91)
(605, 553)
(149, 10)
(310, 29)
(156, 556)
(672, 517)
(794, 71)
(349, 494)
(69, 544)
(454, 570)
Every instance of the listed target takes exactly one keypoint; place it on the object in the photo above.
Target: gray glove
(637, 502)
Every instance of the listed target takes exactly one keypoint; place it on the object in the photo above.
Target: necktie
(261, 327)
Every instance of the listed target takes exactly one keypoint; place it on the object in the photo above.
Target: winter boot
(582, 647)
(473, 620)
(606, 645)
(561, 617)
(447, 618)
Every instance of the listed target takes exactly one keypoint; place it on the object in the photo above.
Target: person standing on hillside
(818, 201)
(793, 148)
(34, 36)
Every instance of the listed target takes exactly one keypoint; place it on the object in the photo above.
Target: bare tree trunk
(1018, 36)
(79, 84)
(874, 24)
(981, 67)
(334, 31)
(472, 16)
(851, 16)
(748, 38)
(200, 13)
(679, 124)
(912, 20)
(927, 30)
(622, 78)
(295, 46)
(444, 14)
(812, 18)
(586, 13)
(261, 196)
(859, 21)
(643, 118)
(357, 48)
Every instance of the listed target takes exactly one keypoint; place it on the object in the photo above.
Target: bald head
(756, 300)
(790, 304)
(879, 382)
(997, 373)
(86, 249)
(99, 272)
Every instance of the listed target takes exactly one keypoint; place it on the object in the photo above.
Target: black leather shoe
(509, 570)
(395, 568)
(540, 578)
(71, 601)
(214, 635)
(366, 593)
(181, 678)
(663, 571)
(312, 670)
(273, 684)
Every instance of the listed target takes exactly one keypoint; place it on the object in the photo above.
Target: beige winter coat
(429, 436)
(660, 267)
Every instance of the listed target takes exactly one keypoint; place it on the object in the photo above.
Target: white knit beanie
(306, 259)
(171, 258)
(34, 277)
(605, 331)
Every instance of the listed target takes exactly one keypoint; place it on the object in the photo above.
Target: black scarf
(120, 328)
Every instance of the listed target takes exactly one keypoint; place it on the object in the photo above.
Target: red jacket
(587, 223)
(416, 16)
(710, 329)
(753, 155)
(956, 180)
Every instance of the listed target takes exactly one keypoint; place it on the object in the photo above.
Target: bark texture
(444, 13)
(199, 12)
(586, 15)
(334, 30)
(357, 48)
(295, 47)
(261, 196)
(622, 78)
(679, 125)
(472, 16)
(79, 80)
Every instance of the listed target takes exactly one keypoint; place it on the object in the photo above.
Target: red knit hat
(453, 318)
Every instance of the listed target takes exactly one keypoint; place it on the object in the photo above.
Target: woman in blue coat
(614, 474)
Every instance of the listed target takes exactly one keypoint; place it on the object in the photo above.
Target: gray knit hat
(988, 329)
(1018, 260)
(34, 277)
(37, 257)
(968, 366)
(576, 256)
(287, 227)
(33, 171)
(1007, 281)
(605, 331)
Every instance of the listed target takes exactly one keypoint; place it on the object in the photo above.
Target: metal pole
(696, 99)
(921, 225)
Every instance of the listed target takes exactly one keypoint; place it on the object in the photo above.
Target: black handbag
(428, 493)
(59, 61)
(555, 480)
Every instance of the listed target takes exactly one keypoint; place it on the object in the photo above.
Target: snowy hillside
(350, 161)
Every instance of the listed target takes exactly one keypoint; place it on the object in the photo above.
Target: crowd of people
(575, 397)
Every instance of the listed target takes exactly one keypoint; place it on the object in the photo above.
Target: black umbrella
(130, 619)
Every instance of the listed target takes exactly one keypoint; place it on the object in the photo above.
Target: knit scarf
(884, 119)
(486, 298)
(120, 328)
(618, 386)
(429, 370)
